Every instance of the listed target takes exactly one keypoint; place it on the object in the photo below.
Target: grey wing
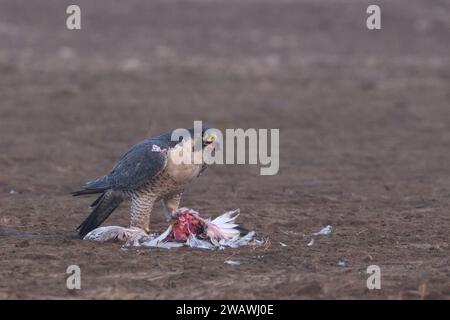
(138, 166)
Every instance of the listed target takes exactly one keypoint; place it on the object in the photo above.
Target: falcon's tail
(101, 209)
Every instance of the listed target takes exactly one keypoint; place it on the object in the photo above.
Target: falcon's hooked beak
(208, 139)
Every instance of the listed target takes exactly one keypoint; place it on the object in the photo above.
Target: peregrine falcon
(147, 173)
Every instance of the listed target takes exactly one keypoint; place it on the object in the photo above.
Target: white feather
(156, 241)
(227, 217)
(193, 242)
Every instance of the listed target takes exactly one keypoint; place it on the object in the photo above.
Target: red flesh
(187, 223)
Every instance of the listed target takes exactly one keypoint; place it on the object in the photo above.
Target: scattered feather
(311, 243)
(283, 244)
(325, 231)
(233, 262)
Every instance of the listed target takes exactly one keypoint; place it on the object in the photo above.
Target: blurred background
(364, 119)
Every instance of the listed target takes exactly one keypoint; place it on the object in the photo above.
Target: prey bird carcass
(187, 228)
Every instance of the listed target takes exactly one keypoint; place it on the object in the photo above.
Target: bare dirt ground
(364, 119)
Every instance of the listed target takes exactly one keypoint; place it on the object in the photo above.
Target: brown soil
(364, 119)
